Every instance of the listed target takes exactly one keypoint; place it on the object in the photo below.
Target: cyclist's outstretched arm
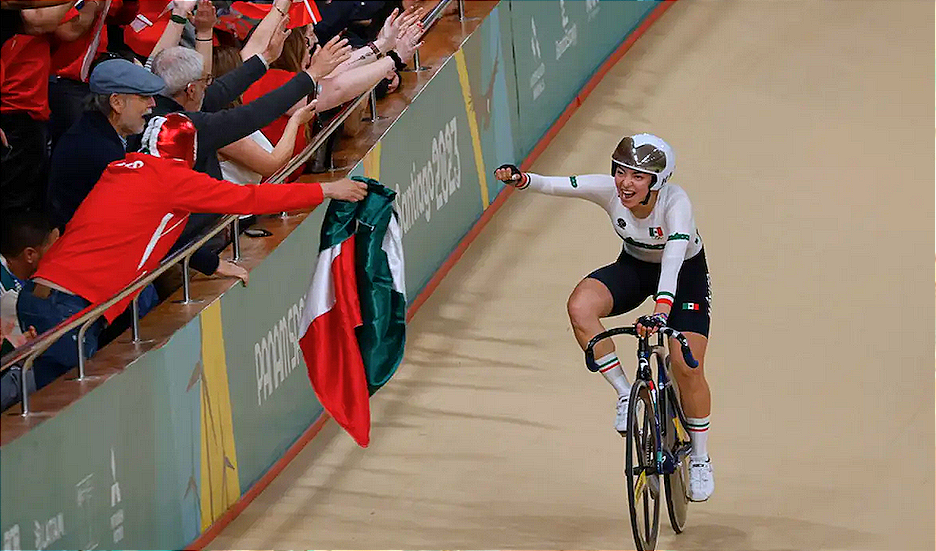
(597, 188)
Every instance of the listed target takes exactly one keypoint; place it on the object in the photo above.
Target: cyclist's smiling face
(632, 186)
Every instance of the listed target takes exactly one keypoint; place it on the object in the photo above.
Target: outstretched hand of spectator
(183, 8)
(395, 26)
(387, 37)
(3, 139)
(305, 114)
(229, 269)
(205, 17)
(409, 42)
(345, 189)
(335, 52)
(277, 39)
(411, 18)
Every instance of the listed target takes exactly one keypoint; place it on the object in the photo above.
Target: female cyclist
(662, 256)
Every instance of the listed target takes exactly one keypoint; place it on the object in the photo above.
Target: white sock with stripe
(610, 367)
(698, 434)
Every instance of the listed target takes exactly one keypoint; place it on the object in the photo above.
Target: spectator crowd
(129, 127)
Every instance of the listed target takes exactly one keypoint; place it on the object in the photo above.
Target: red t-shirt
(136, 212)
(25, 63)
(273, 79)
(68, 56)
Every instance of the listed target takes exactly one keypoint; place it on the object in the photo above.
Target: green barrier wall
(157, 454)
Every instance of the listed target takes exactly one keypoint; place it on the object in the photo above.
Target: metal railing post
(373, 106)
(81, 349)
(24, 388)
(235, 238)
(416, 68)
(135, 317)
(461, 10)
(186, 286)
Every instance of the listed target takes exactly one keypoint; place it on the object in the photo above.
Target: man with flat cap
(122, 94)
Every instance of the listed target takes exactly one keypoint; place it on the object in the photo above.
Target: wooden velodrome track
(802, 129)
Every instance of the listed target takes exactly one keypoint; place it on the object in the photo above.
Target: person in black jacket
(122, 95)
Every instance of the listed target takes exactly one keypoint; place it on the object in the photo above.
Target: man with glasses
(122, 94)
(183, 71)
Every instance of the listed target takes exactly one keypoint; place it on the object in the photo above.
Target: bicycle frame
(663, 390)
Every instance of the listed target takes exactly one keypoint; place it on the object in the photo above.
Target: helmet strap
(653, 181)
(647, 198)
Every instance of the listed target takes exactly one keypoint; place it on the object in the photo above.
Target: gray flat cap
(119, 76)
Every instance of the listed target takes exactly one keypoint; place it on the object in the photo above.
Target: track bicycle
(657, 443)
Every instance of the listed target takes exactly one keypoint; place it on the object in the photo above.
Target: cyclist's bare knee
(684, 372)
(588, 303)
(697, 343)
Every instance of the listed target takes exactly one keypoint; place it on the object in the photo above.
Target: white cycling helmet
(646, 153)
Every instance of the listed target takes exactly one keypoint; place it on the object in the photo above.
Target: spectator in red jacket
(129, 221)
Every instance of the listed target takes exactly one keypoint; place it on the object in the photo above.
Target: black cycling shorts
(631, 281)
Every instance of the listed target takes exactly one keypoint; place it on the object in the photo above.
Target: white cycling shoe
(620, 419)
(701, 480)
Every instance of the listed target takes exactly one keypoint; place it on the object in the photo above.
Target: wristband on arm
(397, 62)
(375, 49)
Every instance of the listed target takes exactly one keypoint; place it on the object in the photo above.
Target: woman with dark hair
(254, 158)
(296, 56)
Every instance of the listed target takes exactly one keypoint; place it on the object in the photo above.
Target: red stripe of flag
(331, 351)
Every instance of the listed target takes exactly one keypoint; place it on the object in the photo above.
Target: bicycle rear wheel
(640, 467)
(677, 502)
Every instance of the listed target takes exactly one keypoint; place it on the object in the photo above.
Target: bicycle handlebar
(632, 330)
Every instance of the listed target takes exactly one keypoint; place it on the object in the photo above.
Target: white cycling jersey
(668, 236)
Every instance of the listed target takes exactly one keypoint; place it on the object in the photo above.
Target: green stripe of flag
(665, 293)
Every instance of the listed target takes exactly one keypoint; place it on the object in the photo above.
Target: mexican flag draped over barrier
(354, 323)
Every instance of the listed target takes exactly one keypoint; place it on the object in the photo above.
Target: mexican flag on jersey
(353, 327)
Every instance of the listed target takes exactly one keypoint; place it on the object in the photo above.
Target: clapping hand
(183, 8)
(325, 58)
(205, 17)
(277, 39)
(409, 42)
(395, 26)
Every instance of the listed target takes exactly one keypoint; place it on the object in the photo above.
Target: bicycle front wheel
(640, 467)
